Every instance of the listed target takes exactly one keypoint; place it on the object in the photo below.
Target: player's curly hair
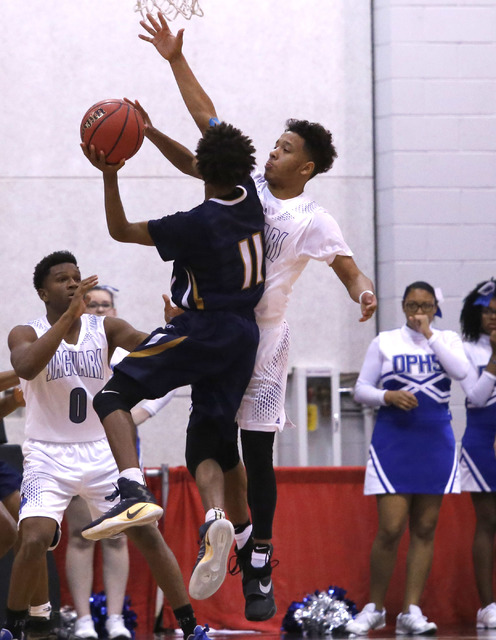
(225, 156)
(318, 143)
(471, 315)
(43, 267)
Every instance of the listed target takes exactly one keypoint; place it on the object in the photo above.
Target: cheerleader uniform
(477, 459)
(412, 451)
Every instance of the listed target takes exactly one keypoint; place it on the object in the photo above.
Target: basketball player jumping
(297, 230)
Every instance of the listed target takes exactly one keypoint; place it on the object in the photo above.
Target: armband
(213, 122)
(360, 296)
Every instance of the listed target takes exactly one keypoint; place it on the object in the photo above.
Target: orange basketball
(114, 127)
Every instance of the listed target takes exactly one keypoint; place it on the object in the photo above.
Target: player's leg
(204, 444)
(36, 535)
(137, 505)
(262, 414)
(39, 623)
(46, 491)
(167, 574)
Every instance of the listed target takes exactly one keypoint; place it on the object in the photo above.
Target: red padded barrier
(323, 532)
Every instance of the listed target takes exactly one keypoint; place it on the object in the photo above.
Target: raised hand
(169, 46)
(78, 303)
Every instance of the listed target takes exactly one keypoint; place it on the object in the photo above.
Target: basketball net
(170, 8)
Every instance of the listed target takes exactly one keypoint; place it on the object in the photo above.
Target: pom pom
(98, 608)
(319, 614)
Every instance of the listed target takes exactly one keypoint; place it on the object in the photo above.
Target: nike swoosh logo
(130, 515)
(265, 589)
(109, 391)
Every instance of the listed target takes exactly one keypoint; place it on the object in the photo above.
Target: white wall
(262, 62)
(435, 122)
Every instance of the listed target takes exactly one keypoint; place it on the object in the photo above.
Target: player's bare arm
(29, 354)
(176, 153)
(121, 334)
(119, 227)
(170, 46)
(359, 287)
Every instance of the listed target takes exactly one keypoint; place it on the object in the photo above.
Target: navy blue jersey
(218, 252)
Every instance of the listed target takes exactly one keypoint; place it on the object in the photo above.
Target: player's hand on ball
(98, 160)
(146, 118)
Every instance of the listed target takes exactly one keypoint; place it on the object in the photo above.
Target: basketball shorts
(10, 480)
(55, 472)
(262, 407)
(213, 351)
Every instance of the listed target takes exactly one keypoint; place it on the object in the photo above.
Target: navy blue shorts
(10, 480)
(213, 351)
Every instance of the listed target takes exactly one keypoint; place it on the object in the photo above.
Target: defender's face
(287, 158)
(59, 286)
(99, 302)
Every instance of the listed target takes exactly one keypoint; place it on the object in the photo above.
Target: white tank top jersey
(296, 231)
(59, 401)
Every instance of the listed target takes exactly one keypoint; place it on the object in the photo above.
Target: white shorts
(55, 472)
(262, 407)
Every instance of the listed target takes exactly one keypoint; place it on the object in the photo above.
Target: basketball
(114, 127)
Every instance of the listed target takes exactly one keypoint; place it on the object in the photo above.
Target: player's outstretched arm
(29, 354)
(359, 287)
(170, 47)
(121, 334)
(176, 153)
(119, 227)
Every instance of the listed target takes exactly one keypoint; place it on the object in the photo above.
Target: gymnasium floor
(447, 633)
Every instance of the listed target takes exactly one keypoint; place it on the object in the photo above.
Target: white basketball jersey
(296, 230)
(59, 400)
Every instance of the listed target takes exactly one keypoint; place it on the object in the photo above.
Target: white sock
(258, 559)
(41, 611)
(133, 473)
(214, 514)
(243, 537)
